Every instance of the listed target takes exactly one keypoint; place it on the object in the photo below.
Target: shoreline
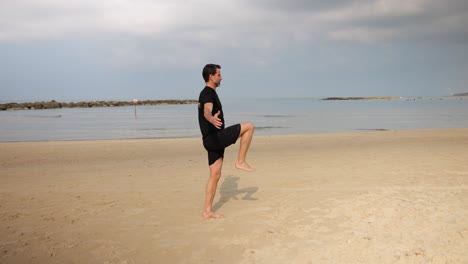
(368, 197)
(355, 131)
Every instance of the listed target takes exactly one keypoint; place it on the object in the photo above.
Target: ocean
(278, 116)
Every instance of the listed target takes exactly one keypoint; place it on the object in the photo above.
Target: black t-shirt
(209, 95)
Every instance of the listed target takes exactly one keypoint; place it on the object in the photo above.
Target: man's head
(212, 73)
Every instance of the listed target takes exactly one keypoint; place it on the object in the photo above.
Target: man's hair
(208, 70)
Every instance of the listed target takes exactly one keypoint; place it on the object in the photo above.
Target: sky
(67, 50)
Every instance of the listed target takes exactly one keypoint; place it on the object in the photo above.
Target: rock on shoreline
(86, 104)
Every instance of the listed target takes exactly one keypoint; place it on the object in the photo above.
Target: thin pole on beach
(135, 102)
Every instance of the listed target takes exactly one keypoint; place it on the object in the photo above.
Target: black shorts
(216, 143)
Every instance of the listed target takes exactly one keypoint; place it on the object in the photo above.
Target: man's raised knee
(248, 126)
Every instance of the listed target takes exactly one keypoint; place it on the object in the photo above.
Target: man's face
(216, 78)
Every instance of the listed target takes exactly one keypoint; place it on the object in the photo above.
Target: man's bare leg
(215, 174)
(246, 134)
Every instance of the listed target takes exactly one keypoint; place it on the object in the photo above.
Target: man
(216, 137)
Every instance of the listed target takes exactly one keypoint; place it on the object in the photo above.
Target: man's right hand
(216, 121)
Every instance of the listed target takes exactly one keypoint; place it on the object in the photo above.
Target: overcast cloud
(74, 50)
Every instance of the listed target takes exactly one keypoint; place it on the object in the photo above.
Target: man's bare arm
(215, 120)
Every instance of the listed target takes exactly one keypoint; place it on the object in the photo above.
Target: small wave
(268, 127)
(155, 129)
(276, 116)
(43, 116)
(373, 129)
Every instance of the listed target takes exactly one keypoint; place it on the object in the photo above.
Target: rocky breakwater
(86, 104)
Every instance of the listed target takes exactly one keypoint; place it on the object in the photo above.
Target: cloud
(386, 20)
(161, 32)
(33, 19)
(374, 9)
(224, 22)
(43, 19)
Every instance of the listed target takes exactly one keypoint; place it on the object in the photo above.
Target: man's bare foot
(208, 215)
(244, 166)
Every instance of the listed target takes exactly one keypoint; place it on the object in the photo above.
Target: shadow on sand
(230, 190)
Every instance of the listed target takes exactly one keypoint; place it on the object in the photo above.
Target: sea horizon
(90, 99)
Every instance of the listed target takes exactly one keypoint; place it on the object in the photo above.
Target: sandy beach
(364, 197)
